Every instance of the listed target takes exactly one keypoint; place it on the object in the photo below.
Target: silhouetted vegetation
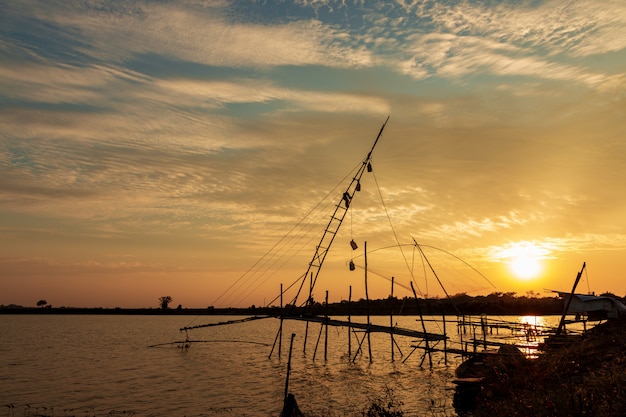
(496, 303)
(165, 301)
(386, 405)
(587, 377)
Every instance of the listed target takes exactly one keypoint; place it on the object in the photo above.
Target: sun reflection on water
(532, 330)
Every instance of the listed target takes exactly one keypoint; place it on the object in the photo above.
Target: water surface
(87, 365)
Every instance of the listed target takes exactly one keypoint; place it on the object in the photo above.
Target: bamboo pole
(391, 321)
(483, 325)
(319, 336)
(419, 310)
(349, 324)
(279, 334)
(445, 341)
(280, 340)
(326, 330)
(561, 327)
(306, 335)
(289, 365)
(306, 330)
(461, 330)
(360, 346)
(367, 304)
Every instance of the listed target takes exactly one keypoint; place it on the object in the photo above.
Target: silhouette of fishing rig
(424, 341)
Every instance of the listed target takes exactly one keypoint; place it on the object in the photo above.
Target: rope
(395, 235)
(465, 278)
(277, 256)
(245, 279)
(357, 168)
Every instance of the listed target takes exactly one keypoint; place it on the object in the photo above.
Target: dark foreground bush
(384, 406)
(587, 377)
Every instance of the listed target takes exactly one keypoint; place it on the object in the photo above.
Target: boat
(488, 363)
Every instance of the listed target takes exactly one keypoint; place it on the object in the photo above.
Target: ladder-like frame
(336, 219)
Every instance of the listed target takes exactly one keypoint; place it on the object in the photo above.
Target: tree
(42, 303)
(165, 301)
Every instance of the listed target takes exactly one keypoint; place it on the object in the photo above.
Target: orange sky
(165, 149)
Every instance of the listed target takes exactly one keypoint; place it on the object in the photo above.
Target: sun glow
(525, 267)
(524, 259)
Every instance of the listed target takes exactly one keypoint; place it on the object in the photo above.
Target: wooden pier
(372, 328)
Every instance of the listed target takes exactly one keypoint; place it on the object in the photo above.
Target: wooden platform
(372, 328)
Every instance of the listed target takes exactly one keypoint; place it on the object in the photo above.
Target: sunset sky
(152, 148)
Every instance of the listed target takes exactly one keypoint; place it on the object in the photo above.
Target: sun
(524, 259)
(525, 267)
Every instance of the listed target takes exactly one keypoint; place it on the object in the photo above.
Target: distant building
(595, 307)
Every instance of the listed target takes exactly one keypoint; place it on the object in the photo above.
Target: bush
(386, 405)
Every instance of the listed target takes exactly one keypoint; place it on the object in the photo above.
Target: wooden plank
(224, 323)
(372, 328)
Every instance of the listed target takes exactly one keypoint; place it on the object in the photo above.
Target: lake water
(92, 365)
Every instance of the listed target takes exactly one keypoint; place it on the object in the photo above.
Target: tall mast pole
(336, 219)
(569, 300)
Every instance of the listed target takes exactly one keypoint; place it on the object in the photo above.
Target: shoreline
(461, 304)
(272, 312)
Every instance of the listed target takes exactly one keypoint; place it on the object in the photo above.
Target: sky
(172, 148)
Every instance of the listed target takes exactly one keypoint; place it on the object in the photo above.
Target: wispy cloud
(504, 40)
(216, 125)
(194, 33)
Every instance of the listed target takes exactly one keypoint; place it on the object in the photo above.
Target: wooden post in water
(474, 337)
(391, 321)
(483, 325)
(367, 304)
(323, 326)
(326, 330)
(349, 324)
(280, 340)
(419, 311)
(459, 330)
(289, 366)
(279, 334)
(561, 327)
(290, 406)
(319, 336)
(306, 335)
(306, 330)
(445, 341)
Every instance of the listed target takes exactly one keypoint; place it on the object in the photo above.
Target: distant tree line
(496, 303)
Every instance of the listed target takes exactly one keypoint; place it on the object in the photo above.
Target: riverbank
(463, 304)
(586, 377)
(118, 311)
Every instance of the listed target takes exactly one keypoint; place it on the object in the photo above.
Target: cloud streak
(191, 135)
